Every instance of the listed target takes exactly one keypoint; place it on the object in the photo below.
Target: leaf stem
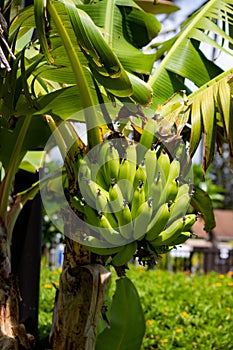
(91, 118)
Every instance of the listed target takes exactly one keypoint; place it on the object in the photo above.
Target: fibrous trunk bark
(12, 334)
(79, 300)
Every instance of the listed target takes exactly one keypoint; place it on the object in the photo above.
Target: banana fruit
(133, 201)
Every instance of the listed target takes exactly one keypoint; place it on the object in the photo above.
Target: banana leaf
(37, 135)
(127, 320)
(126, 28)
(91, 48)
(156, 7)
(182, 55)
(209, 110)
(203, 204)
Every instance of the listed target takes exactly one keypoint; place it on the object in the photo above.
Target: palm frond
(210, 113)
(183, 56)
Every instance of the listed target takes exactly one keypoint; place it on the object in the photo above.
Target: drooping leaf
(127, 320)
(41, 22)
(196, 126)
(209, 125)
(209, 111)
(138, 27)
(118, 23)
(22, 24)
(142, 92)
(203, 204)
(93, 45)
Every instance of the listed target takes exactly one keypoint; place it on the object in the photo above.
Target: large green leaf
(203, 204)
(125, 28)
(182, 55)
(95, 52)
(41, 24)
(127, 320)
(36, 137)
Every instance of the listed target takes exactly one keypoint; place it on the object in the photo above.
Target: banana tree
(178, 111)
(26, 88)
(90, 53)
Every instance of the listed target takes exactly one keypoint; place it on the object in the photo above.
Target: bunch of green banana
(131, 199)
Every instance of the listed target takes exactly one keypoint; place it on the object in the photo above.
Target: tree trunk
(12, 334)
(79, 300)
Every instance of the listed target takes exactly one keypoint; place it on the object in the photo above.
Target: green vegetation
(85, 54)
(181, 311)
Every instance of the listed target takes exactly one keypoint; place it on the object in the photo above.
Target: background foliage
(181, 311)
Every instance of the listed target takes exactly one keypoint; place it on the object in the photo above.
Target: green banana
(98, 247)
(111, 164)
(84, 171)
(179, 207)
(147, 139)
(185, 188)
(77, 204)
(102, 153)
(142, 219)
(101, 201)
(189, 221)
(110, 234)
(139, 197)
(157, 193)
(174, 171)
(125, 254)
(103, 206)
(97, 175)
(151, 165)
(171, 187)
(126, 175)
(89, 190)
(140, 177)
(116, 198)
(164, 164)
(125, 223)
(169, 235)
(131, 153)
(171, 190)
(182, 238)
(158, 222)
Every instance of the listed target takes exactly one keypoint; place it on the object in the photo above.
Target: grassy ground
(181, 311)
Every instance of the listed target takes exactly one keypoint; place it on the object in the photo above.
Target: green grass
(181, 312)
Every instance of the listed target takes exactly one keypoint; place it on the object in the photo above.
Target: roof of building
(223, 229)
